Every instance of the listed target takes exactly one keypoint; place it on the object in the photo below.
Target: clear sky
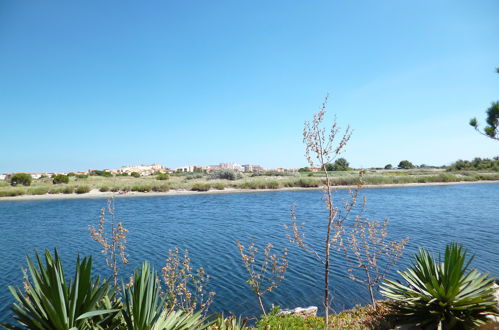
(101, 84)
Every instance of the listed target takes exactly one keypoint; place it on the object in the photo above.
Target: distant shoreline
(95, 193)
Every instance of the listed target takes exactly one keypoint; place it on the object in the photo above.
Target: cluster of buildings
(146, 170)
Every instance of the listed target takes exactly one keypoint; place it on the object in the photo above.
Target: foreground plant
(322, 147)
(114, 245)
(266, 274)
(443, 294)
(371, 252)
(49, 302)
(185, 287)
(144, 309)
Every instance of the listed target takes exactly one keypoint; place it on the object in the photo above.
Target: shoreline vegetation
(196, 183)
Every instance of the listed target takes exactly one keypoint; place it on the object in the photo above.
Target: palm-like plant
(49, 302)
(443, 294)
(143, 308)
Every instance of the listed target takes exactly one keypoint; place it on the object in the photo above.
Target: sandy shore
(95, 193)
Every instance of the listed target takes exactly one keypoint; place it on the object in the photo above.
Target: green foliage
(161, 188)
(229, 323)
(71, 174)
(272, 184)
(193, 176)
(405, 164)
(101, 173)
(201, 187)
(162, 176)
(82, 189)
(142, 188)
(476, 164)
(492, 121)
(276, 321)
(49, 302)
(304, 169)
(60, 178)
(38, 191)
(144, 308)
(443, 294)
(104, 189)
(388, 166)
(225, 175)
(219, 186)
(122, 174)
(340, 164)
(82, 176)
(20, 178)
(135, 174)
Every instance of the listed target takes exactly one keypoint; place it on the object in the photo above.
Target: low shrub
(225, 175)
(68, 190)
(192, 176)
(12, 192)
(115, 189)
(272, 184)
(276, 321)
(82, 176)
(122, 174)
(20, 178)
(219, 186)
(105, 174)
(307, 183)
(38, 191)
(135, 174)
(201, 187)
(60, 178)
(161, 188)
(162, 176)
(142, 188)
(82, 189)
(104, 189)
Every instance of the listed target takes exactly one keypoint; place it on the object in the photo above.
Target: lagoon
(208, 226)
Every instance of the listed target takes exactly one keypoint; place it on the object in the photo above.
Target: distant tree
(20, 178)
(60, 178)
(490, 130)
(101, 173)
(405, 164)
(341, 164)
(304, 169)
(135, 174)
(388, 166)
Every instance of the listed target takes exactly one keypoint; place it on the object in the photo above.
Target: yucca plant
(443, 294)
(49, 302)
(230, 323)
(143, 308)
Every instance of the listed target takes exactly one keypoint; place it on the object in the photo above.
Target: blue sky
(100, 84)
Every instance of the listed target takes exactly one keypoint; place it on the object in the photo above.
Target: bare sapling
(185, 287)
(371, 252)
(266, 274)
(114, 245)
(322, 147)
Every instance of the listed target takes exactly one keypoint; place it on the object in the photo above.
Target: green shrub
(82, 189)
(192, 176)
(225, 175)
(201, 187)
(122, 174)
(162, 176)
(104, 189)
(12, 192)
(53, 191)
(272, 185)
(307, 183)
(82, 176)
(38, 191)
(443, 294)
(101, 173)
(142, 188)
(68, 190)
(20, 178)
(219, 186)
(161, 188)
(71, 174)
(276, 321)
(135, 174)
(60, 178)
(48, 301)
(115, 189)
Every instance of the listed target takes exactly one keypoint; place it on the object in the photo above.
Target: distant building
(3, 176)
(141, 169)
(252, 168)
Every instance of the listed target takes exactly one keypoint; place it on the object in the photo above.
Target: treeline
(476, 164)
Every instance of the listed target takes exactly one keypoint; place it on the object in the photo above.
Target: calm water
(208, 225)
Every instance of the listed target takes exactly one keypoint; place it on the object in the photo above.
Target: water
(208, 226)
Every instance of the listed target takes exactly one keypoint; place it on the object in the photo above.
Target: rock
(300, 311)
(496, 294)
